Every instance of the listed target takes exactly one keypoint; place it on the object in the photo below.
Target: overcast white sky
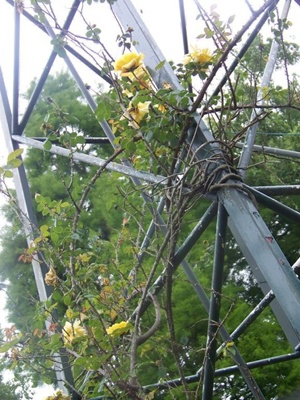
(161, 16)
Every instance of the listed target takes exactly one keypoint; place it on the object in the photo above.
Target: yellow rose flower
(201, 57)
(138, 112)
(118, 329)
(51, 277)
(73, 331)
(128, 63)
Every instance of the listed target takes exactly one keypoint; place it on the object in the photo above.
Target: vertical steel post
(29, 221)
(215, 304)
(266, 79)
(10, 123)
(183, 27)
(16, 74)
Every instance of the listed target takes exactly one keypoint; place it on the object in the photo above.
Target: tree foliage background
(105, 313)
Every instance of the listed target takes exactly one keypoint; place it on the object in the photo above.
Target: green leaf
(15, 163)
(231, 19)
(67, 299)
(162, 373)
(45, 211)
(14, 155)
(184, 340)
(54, 237)
(44, 230)
(55, 339)
(60, 50)
(57, 295)
(103, 110)
(160, 65)
(47, 145)
(55, 343)
(9, 345)
(208, 32)
(80, 139)
(40, 207)
(8, 174)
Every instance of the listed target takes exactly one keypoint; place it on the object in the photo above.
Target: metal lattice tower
(232, 206)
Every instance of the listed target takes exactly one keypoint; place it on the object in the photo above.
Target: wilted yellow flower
(119, 328)
(38, 333)
(161, 107)
(58, 395)
(51, 278)
(73, 331)
(201, 57)
(127, 93)
(167, 85)
(105, 282)
(138, 112)
(128, 63)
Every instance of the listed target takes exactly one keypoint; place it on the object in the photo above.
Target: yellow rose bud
(118, 329)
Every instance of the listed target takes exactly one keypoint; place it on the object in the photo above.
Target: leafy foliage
(119, 308)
